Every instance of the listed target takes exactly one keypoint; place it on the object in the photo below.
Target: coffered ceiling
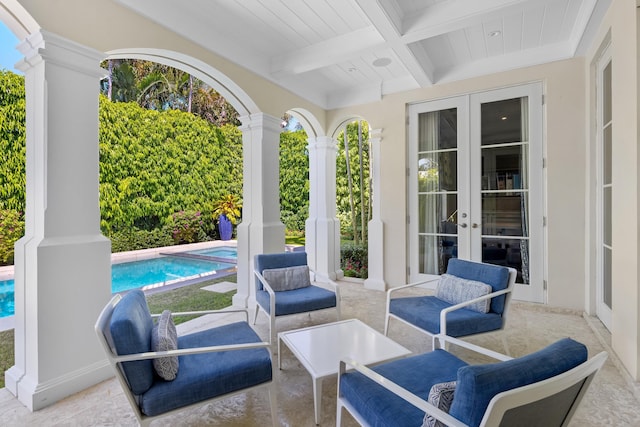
(343, 52)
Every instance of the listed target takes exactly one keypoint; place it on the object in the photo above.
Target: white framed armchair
(284, 287)
(181, 371)
(543, 388)
(471, 298)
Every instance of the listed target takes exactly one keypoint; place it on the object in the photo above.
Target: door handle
(463, 225)
(474, 225)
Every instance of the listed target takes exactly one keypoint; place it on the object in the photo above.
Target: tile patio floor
(613, 399)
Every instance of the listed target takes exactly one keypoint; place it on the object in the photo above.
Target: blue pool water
(136, 274)
(227, 252)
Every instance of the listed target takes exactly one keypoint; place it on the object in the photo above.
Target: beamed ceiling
(344, 52)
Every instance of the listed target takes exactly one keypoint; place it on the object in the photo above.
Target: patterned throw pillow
(287, 279)
(164, 338)
(440, 396)
(454, 290)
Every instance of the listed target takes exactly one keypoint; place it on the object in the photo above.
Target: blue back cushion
(130, 329)
(494, 275)
(478, 384)
(279, 260)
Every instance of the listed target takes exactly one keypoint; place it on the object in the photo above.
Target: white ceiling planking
(532, 28)
(554, 15)
(310, 46)
(569, 25)
(512, 32)
(353, 16)
(477, 42)
(493, 31)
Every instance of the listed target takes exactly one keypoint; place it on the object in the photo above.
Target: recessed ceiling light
(504, 118)
(381, 62)
(495, 33)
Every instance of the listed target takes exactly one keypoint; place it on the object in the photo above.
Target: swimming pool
(146, 274)
(222, 253)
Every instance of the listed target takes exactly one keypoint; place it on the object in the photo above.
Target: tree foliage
(12, 142)
(353, 219)
(153, 164)
(160, 87)
(294, 180)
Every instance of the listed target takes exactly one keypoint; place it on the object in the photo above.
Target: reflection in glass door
(437, 189)
(440, 148)
(504, 189)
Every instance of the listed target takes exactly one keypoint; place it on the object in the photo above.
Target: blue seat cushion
(478, 384)
(208, 375)
(424, 312)
(277, 260)
(380, 407)
(300, 300)
(130, 328)
(495, 276)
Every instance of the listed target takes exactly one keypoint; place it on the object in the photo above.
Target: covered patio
(391, 63)
(612, 400)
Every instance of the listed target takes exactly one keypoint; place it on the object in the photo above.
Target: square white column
(62, 264)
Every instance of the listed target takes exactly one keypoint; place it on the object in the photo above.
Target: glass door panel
(472, 187)
(504, 190)
(437, 189)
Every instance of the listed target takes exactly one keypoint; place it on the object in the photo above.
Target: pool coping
(7, 272)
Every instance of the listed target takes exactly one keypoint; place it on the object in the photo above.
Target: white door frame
(469, 151)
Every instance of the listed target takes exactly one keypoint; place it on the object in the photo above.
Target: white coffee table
(320, 348)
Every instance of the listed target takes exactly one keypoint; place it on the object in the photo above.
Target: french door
(475, 184)
(604, 245)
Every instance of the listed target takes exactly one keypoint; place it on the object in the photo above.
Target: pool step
(221, 287)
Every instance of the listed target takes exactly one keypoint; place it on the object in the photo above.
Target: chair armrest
(203, 312)
(187, 351)
(399, 288)
(469, 346)
(410, 285)
(401, 392)
(444, 312)
(330, 283)
(270, 291)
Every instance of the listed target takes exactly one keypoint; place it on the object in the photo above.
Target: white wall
(620, 24)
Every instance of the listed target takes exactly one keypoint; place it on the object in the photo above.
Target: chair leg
(505, 343)
(273, 402)
(386, 326)
(272, 328)
(339, 414)
(255, 319)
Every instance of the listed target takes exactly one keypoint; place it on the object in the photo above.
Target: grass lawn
(186, 298)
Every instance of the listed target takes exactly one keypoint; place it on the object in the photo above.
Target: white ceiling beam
(452, 15)
(385, 20)
(327, 52)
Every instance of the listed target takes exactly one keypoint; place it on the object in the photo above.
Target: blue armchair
(472, 298)
(439, 389)
(284, 287)
(204, 366)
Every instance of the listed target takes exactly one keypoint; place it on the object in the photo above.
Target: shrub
(135, 238)
(11, 229)
(354, 260)
(294, 222)
(186, 226)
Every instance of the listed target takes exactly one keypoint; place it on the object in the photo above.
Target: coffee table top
(320, 348)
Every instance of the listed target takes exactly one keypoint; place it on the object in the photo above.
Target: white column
(261, 230)
(62, 264)
(322, 229)
(375, 280)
